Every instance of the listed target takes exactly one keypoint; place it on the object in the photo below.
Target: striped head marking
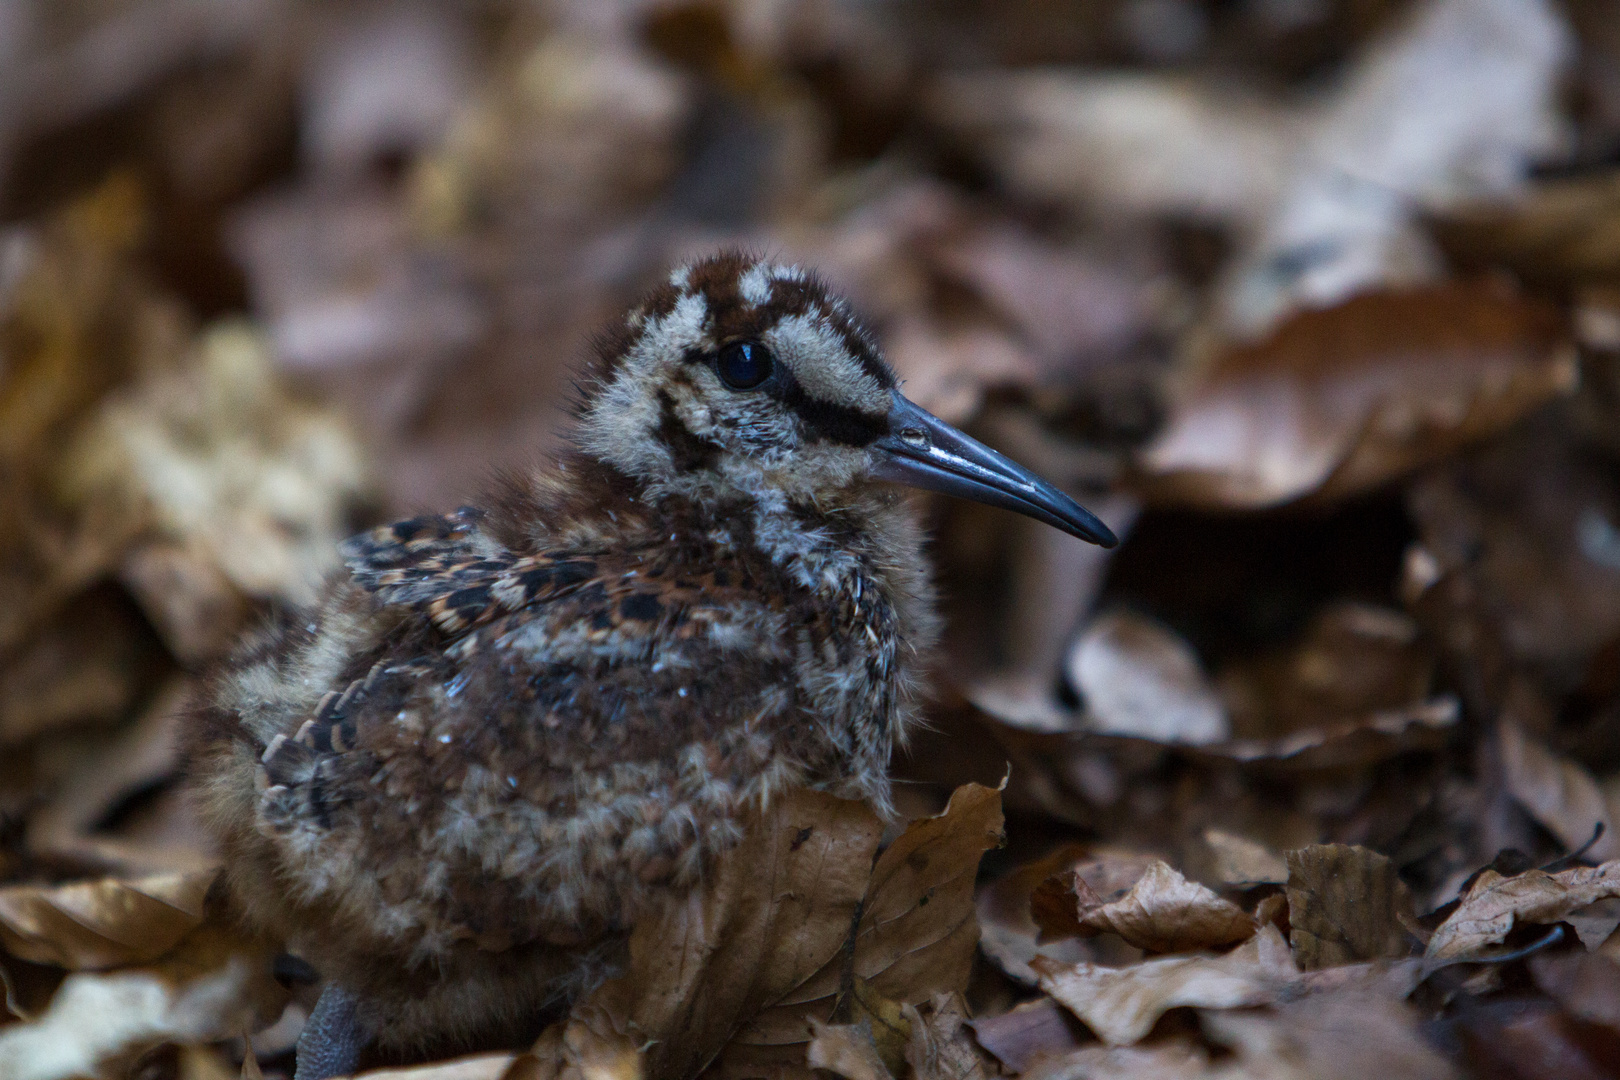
(739, 376)
(739, 372)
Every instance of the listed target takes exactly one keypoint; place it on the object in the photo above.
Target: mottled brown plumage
(503, 735)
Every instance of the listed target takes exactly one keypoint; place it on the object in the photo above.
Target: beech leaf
(1495, 904)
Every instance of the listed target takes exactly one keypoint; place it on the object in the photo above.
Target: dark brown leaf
(1345, 904)
(1342, 399)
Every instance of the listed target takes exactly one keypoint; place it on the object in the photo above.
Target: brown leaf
(1346, 1035)
(1033, 1030)
(1008, 932)
(1586, 985)
(940, 1046)
(1241, 861)
(1495, 904)
(67, 828)
(216, 460)
(478, 1067)
(1176, 1059)
(1103, 874)
(1122, 1004)
(1140, 678)
(211, 986)
(847, 1050)
(1557, 792)
(1531, 1039)
(1360, 741)
(102, 924)
(1164, 912)
(1345, 904)
(1354, 660)
(1557, 231)
(1064, 304)
(82, 666)
(1342, 399)
(747, 961)
(917, 934)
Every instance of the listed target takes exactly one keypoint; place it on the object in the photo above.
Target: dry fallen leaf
(211, 986)
(91, 925)
(1141, 679)
(1121, 1005)
(1340, 400)
(1028, 1032)
(478, 1067)
(1242, 861)
(887, 1040)
(1175, 1059)
(745, 963)
(586, 1046)
(1495, 904)
(1163, 912)
(1362, 741)
(1587, 985)
(847, 1050)
(217, 461)
(917, 933)
(1345, 904)
(1008, 933)
(141, 757)
(1105, 873)
(1354, 659)
(1344, 1035)
(1557, 792)
(941, 1047)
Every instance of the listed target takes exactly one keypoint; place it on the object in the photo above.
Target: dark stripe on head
(829, 420)
(731, 317)
(686, 450)
(811, 296)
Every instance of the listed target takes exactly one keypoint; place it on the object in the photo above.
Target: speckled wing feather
(579, 658)
(445, 566)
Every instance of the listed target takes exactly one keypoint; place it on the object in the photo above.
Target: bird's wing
(565, 707)
(446, 567)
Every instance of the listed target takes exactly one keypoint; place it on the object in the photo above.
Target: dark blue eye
(743, 365)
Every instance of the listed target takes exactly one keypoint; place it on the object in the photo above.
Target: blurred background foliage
(1317, 301)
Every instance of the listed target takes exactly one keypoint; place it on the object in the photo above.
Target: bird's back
(489, 749)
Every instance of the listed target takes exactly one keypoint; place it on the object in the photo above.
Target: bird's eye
(743, 365)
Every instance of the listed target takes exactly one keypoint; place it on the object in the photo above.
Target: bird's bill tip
(923, 451)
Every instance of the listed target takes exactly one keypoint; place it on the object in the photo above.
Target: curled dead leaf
(1028, 1032)
(214, 984)
(1140, 678)
(1342, 1035)
(479, 1067)
(1103, 872)
(847, 1050)
(1177, 1059)
(92, 925)
(1242, 861)
(1121, 1005)
(1163, 912)
(1345, 904)
(1495, 904)
(1008, 932)
(737, 971)
(940, 1046)
(1342, 399)
(1557, 792)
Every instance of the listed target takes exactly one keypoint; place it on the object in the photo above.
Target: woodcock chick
(504, 733)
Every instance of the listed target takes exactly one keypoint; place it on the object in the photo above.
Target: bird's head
(740, 376)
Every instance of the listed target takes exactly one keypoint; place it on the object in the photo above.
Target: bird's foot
(333, 1037)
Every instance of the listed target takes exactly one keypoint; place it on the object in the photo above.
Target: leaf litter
(1316, 775)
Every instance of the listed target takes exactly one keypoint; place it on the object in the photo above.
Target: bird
(503, 734)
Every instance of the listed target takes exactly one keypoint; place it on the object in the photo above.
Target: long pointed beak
(925, 452)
